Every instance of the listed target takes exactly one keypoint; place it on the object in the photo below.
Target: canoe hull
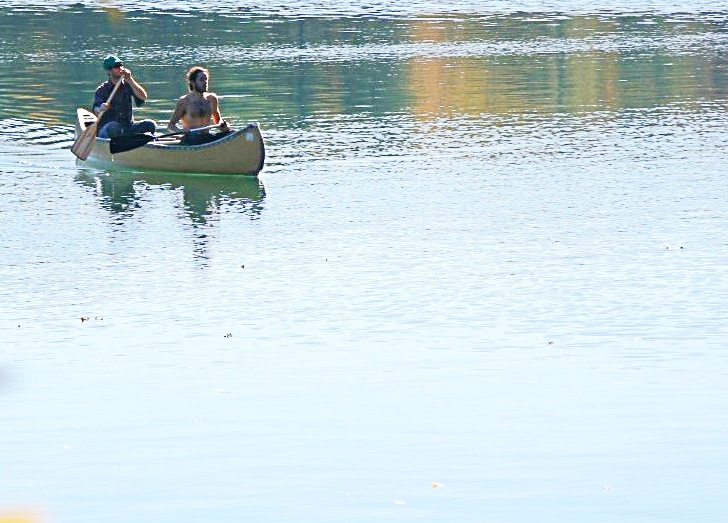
(241, 152)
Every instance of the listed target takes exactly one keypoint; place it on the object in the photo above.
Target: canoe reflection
(124, 194)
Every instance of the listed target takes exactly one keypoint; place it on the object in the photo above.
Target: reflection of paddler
(198, 108)
(201, 195)
(204, 195)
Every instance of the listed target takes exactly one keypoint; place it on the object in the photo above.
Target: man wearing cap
(117, 118)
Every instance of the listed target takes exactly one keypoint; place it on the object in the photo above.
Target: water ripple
(36, 132)
(384, 8)
(691, 44)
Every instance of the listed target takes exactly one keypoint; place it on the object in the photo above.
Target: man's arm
(136, 87)
(177, 114)
(99, 101)
(217, 116)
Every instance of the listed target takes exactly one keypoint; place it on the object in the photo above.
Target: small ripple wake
(36, 133)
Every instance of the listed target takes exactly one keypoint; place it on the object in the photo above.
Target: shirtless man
(198, 108)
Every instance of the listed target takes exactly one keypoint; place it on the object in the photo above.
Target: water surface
(481, 278)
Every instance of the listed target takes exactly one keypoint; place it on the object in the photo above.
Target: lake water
(482, 277)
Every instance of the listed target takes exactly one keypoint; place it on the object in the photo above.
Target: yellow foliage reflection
(578, 79)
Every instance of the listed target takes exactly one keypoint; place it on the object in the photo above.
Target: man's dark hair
(192, 75)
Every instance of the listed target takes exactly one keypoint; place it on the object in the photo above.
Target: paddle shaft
(128, 142)
(108, 102)
(195, 130)
(85, 142)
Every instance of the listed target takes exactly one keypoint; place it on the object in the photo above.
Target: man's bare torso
(198, 110)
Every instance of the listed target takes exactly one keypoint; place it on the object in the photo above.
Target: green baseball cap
(111, 60)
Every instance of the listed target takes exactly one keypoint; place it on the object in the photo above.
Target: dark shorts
(112, 129)
(201, 138)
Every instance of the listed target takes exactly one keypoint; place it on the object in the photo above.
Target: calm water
(482, 277)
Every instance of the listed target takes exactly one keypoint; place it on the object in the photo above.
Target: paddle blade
(119, 144)
(85, 142)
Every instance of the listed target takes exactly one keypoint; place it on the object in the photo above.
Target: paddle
(85, 142)
(122, 143)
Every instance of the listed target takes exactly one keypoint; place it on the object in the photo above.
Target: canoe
(240, 152)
